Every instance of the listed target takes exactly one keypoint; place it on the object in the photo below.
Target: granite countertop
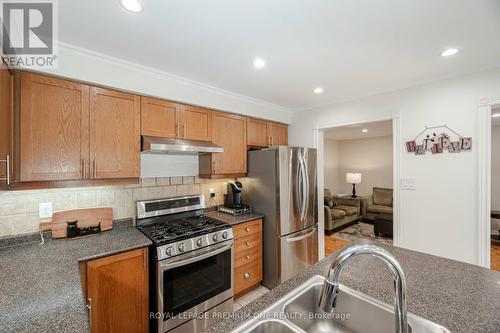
(234, 220)
(459, 296)
(40, 287)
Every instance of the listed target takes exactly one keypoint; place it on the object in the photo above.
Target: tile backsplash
(19, 209)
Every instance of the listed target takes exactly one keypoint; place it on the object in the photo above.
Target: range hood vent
(157, 145)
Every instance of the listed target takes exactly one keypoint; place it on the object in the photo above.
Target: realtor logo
(28, 33)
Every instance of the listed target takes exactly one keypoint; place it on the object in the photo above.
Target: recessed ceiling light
(364, 130)
(318, 90)
(259, 63)
(495, 115)
(449, 52)
(134, 6)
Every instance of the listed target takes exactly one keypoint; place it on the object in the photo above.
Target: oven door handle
(165, 264)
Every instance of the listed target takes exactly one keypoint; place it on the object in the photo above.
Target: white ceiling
(350, 48)
(350, 132)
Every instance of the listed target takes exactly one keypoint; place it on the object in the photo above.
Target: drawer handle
(248, 257)
(247, 229)
(247, 243)
(246, 276)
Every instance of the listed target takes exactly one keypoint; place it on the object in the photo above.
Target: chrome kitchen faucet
(330, 287)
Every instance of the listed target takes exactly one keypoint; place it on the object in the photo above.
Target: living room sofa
(380, 202)
(340, 211)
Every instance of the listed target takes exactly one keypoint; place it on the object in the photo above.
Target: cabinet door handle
(177, 130)
(89, 308)
(95, 169)
(7, 170)
(184, 128)
(83, 169)
(246, 275)
(248, 257)
(247, 243)
(272, 140)
(247, 229)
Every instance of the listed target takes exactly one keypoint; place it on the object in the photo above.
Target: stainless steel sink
(354, 312)
(275, 326)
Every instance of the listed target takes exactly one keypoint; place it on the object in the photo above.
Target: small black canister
(72, 228)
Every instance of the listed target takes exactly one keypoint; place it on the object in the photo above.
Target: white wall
(495, 175)
(440, 216)
(372, 157)
(81, 64)
(331, 165)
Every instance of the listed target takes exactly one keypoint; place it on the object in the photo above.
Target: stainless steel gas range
(191, 279)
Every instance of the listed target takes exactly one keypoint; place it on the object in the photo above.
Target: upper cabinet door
(114, 134)
(278, 134)
(229, 132)
(54, 140)
(159, 117)
(257, 133)
(195, 123)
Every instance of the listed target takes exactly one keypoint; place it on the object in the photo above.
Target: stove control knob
(225, 235)
(181, 247)
(168, 251)
(199, 242)
(215, 237)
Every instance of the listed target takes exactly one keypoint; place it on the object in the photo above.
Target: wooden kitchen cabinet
(195, 123)
(278, 134)
(172, 120)
(159, 117)
(6, 125)
(114, 134)
(229, 132)
(54, 128)
(247, 256)
(262, 133)
(117, 292)
(257, 133)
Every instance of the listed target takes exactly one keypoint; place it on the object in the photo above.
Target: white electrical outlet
(45, 210)
(211, 192)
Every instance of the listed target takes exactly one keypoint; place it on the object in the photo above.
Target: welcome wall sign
(437, 144)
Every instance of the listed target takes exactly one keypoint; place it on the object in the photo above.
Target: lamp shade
(353, 177)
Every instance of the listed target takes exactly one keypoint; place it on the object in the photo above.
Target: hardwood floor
(495, 257)
(333, 244)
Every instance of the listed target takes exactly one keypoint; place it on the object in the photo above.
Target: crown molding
(165, 75)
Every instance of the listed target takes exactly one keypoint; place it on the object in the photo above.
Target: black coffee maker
(233, 197)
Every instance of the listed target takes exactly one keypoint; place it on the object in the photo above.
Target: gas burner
(178, 225)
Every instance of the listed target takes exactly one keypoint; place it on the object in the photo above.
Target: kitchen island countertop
(459, 296)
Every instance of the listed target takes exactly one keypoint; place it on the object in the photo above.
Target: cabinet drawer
(248, 256)
(244, 244)
(247, 276)
(248, 228)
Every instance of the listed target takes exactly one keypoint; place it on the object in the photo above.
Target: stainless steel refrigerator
(282, 185)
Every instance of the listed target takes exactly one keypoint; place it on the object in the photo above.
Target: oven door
(190, 284)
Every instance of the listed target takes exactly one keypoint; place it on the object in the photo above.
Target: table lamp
(353, 178)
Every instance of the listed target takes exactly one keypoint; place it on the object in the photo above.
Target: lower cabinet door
(247, 275)
(117, 293)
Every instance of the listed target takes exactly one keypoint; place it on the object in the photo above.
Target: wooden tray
(86, 218)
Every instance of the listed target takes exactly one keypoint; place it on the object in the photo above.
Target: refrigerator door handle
(307, 187)
(303, 174)
(299, 238)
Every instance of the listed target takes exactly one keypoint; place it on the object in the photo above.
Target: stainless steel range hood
(157, 145)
